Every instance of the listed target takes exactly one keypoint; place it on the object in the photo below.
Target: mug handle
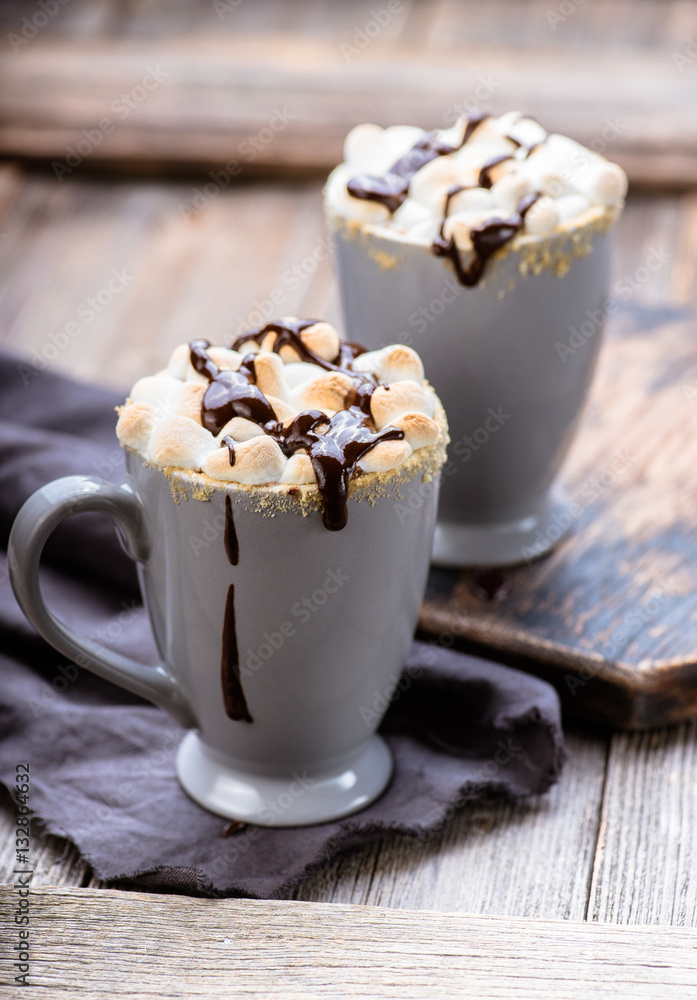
(43, 512)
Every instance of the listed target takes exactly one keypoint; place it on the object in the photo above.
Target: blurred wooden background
(616, 72)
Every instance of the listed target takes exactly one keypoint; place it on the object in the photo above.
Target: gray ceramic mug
(322, 621)
(511, 359)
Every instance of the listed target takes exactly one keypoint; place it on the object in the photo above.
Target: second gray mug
(512, 360)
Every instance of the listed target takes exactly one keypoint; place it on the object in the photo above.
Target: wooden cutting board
(611, 616)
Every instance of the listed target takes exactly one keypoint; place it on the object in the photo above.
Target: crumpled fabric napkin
(102, 760)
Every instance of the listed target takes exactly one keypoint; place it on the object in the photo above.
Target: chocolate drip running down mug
(278, 636)
(486, 248)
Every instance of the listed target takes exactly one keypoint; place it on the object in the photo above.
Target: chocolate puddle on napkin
(102, 760)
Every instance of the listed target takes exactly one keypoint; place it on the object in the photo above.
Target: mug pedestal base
(297, 799)
(503, 544)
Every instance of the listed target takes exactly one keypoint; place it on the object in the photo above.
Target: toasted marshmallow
(158, 390)
(411, 213)
(323, 339)
(249, 347)
(299, 470)
(180, 442)
(178, 363)
(399, 139)
(163, 420)
(474, 199)
(419, 430)
(460, 227)
(384, 456)
(431, 184)
(225, 359)
(269, 373)
(283, 410)
(328, 393)
(298, 372)
(239, 429)
(135, 425)
(508, 192)
(424, 231)
(391, 401)
(526, 131)
(257, 462)
(543, 218)
(551, 165)
(397, 363)
(602, 183)
(188, 400)
(570, 206)
(341, 202)
(362, 142)
(489, 134)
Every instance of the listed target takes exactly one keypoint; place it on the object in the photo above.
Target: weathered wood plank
(54, 861)
(491, 858)
(217, 97)
(188, 947)
(644, 870)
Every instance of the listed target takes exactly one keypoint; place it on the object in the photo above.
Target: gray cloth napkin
(101, 760)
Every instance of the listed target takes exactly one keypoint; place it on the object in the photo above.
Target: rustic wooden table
(588, 889)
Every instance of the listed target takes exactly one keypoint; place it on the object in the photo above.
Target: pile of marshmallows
(570, 178)
(162, 417)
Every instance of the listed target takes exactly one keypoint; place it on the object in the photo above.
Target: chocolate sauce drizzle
(334, 445)
(490, 583)
(233, 696)
(230, 444)
(393, 189)
(232, 546)
(486, 239)
(234, 826)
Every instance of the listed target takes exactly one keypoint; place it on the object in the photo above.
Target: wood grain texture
(491, 858)
(644, 870)
(187, 947)
(54, 861)
(278, 100)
